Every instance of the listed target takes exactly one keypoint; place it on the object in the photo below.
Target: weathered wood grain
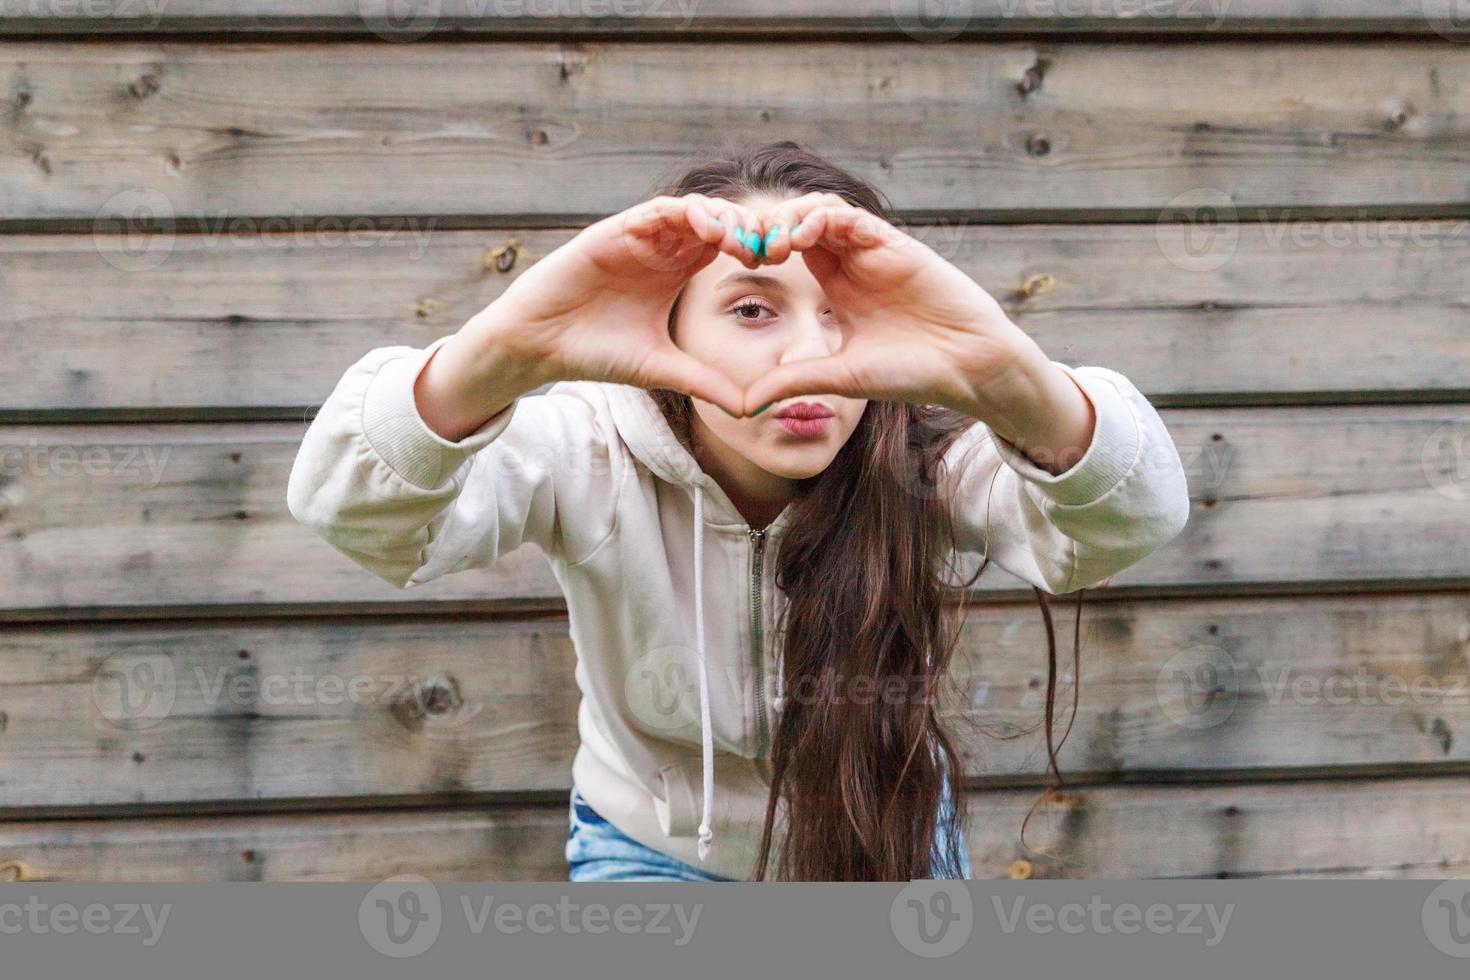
(1390, 828)
(133, 520)
(1399, 828)
(330, 711)
(719, 17)
(167, 546)
(263, 325)
(506, 842)
(505, 133)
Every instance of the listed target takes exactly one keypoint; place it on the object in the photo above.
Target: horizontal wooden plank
(134, 520)
(171, 515)
(507, 133)
(1398, 829)
(684, 17)
(333, 710)
(256, 711)
(259, 325)
(516, 842)
(1386, 828)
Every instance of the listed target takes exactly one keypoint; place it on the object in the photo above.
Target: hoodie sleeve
(1124, 499)
(409, 506)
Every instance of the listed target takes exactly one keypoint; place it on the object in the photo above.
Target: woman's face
(746, 322)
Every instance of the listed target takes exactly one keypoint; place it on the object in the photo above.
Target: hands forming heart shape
(921, 330)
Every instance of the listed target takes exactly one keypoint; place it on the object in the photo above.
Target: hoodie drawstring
(706, 832)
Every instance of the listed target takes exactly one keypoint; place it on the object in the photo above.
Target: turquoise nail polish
(771, 236)
(761, 409)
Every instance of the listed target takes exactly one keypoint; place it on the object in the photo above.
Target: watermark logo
(661, 688)
(1449, 19)
(1446, 459)
(656, 236)
(36, 917)
(135, 689)
(1198, 687)
(932, 918)
(138, 689)
(1363, 687)
(932, 21)
(131, 15)
(400, 20)
(133, 229)
(1198, 229)
(1102, 917)
(935, 919)
(139, 465)
(1446, 918)
(1206, 466)
(401, 916)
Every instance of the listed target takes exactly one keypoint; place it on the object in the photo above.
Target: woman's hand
(917, 329)
(595, 309)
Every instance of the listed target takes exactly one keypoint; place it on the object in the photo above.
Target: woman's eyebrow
(751, 279)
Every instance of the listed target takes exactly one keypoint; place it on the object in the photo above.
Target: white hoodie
(672, 627)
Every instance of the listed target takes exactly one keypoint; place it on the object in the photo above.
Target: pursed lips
(805, 410)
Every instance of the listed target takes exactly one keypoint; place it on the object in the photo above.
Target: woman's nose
(811, 337)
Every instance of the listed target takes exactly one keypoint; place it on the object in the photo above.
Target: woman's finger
(810, 376)
(693, 213)
(719, 222)
(670, 367)
(696, 256)
(786, 216)
(841, 228)
(743, 235)
(743, 226)
(731, 220)
(665, 234)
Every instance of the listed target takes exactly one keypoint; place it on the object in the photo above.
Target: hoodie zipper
(757, 544)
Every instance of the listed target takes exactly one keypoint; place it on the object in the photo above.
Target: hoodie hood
(647, 434)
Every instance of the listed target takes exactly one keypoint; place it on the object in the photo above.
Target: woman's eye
(752, 308)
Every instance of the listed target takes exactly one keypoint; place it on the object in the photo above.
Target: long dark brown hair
(861, 749)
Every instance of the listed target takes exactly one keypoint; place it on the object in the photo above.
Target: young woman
(777, 429)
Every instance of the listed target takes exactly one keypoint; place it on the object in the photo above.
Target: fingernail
(761, 409)
(771, 236)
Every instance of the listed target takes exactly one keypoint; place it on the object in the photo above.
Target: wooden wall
(1258, 213)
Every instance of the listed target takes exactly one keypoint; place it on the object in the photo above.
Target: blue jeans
(598, 851)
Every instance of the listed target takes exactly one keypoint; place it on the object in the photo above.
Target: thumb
(809, 376)
(670, 367)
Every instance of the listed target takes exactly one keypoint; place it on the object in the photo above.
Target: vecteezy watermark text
(39, 918)
(403, 916)
(936, 918)
(1103, 917)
